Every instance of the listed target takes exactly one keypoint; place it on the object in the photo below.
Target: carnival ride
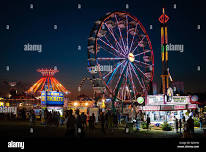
(48, 83)
(120, 40)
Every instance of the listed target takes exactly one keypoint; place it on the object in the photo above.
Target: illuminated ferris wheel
(120, 53)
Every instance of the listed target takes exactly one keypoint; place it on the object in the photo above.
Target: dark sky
(60, 47)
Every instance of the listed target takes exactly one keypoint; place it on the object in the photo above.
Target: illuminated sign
(155, 99)
(167, 107)
(169, 94)
(191, 106)
(179, 107)
(140, 100)
(151, 108)
(194, 98)
(181, 99)
(52, 98)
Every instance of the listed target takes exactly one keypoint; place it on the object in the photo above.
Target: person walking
(180, 125)
(93, 120)
(84, 120)
(190, 123)
(70, 124)
(79, 129)
(186, 133)
(148, 122)
(115, 119)
(176, 124)
(102, 119)
(91, 125)
(201, 122)
(106, 120)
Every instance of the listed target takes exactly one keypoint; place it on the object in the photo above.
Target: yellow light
(1, 104)
(162, 35)
(166, 35)
(86, 104)
(131, 57)
(103, 104)
(75, 104)
(7, 104)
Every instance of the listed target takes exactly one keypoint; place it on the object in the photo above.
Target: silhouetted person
(70, 124)
(93, 120)
(78, 123)
(106, 120)
(176, 124)
(201, 122)
(148, 121)
(102, 119)
(180, 125)
(190, 123)
(84, 120)
(115, 119)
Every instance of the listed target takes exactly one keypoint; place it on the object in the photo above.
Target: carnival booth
(53, 101)
(159, 109)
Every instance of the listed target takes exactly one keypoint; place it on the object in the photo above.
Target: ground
(50, 138)
(22, 129)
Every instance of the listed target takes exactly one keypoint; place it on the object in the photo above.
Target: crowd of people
(187, 126)
(77, 123)
(51, 118)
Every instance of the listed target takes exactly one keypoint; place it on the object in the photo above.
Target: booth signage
(181, 99)
(155, 99)
(52, 98)
(191, 106)
(167, 107)
(151, 108)
(179, 107)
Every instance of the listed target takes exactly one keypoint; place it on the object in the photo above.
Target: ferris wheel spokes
(133, 39)
(137, 45)
(142, 53)
(113, 46)
(123, 70)
(130, 77)
(114, 70)
(142, 62)
(120, 33)
(136, 76)
(112, 33)
(141, 71)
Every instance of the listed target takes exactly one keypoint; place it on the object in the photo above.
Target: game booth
(160, 109)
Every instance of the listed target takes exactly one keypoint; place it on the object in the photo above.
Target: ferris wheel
(120, 53)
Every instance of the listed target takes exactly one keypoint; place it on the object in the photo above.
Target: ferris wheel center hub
(131, 57)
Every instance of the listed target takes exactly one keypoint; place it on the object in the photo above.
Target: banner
(52, 98)
(155, 99)
(181, 99)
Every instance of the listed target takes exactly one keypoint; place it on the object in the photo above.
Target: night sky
(60, 47)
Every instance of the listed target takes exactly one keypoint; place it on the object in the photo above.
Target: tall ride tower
(164, 41)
